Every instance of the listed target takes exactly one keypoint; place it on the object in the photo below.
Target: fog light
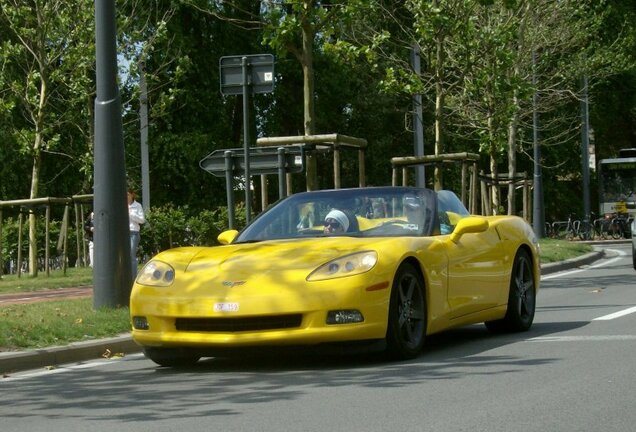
(140, 323)
(345, 316)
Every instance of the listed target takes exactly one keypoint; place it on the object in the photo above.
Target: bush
(168, 227)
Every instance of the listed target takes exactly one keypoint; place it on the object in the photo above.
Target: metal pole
(538, 218)
(112, 277)
(585, 144)
(143, 118)
(282, 192)
(229, 190)
(246, 139)
(418, 129)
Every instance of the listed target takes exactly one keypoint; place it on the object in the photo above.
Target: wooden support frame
(468, 160)
(503, 180)
(326, 142)
(47, 202)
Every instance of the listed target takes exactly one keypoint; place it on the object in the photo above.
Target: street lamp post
(112, 278)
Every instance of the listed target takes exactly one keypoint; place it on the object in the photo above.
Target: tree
(292, 27)
(48, 59)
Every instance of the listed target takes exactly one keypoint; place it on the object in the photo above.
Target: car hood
(282, 260)
(280, 255)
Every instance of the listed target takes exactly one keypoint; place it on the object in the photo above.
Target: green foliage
(169, 226)
(363, 87)
(47, 76)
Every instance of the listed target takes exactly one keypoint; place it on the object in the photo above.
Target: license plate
(226, 307)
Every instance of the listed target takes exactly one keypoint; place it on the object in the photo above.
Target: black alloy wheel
(406, 329)
(521, 297)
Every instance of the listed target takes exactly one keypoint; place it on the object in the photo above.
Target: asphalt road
(573, 371)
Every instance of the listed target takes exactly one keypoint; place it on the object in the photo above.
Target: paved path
(44, 295)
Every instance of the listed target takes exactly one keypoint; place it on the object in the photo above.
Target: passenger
(414, 213)
(379, 208)
(336, 222)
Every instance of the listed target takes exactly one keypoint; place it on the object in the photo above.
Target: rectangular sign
(260, 73)
(263, 160)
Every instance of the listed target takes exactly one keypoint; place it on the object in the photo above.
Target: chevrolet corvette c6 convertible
(383, 265)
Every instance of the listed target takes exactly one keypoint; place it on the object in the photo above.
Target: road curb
(88, 350)
(71, 353)
(586, 259)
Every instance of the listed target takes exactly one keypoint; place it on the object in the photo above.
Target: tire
(521, 297)
(633, 256)
(406, 327)
(171, 357)
(585, 231)
(616, 230)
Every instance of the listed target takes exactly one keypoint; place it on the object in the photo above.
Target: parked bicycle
(565, 229)
(620, 226)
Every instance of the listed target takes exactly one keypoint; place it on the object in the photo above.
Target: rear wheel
(616, 229)
(521, 297)
(171, 357)
(407, 314)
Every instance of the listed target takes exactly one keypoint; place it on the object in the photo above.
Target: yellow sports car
(383, 266)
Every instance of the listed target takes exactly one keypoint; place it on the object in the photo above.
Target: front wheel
(406, 328)
(171, 357)
(521, 298)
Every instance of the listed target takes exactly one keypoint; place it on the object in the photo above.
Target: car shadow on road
(449, 347)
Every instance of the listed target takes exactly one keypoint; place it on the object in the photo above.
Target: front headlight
(156, 273)
(345, 266)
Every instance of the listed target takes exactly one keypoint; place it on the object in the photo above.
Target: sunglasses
(332, 224)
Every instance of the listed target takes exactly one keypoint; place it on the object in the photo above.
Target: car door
(476, 272)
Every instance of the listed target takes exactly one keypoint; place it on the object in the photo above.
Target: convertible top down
(365, 265)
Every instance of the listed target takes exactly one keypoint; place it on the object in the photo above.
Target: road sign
(260, 76)
(262, 160)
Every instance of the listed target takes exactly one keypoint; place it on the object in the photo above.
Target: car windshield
(363, 212)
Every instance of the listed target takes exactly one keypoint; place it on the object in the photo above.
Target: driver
(336, 222)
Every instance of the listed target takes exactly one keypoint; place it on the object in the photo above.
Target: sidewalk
(123, 344)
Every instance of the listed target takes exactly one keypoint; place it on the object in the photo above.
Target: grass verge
(49, 323)
(553, 250)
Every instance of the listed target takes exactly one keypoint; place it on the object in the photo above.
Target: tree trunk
(439, 107)
(308, 92)
(512, 154)
(494, 171)
(35, 174)
(35, 180)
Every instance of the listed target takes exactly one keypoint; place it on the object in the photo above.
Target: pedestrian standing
(89, 229)
(136, 218)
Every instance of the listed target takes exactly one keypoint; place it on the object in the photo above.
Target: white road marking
(616, 314)
(582, 338)
(603, 263)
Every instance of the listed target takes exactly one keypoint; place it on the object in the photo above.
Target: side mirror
(227, 237)
(471, 224)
